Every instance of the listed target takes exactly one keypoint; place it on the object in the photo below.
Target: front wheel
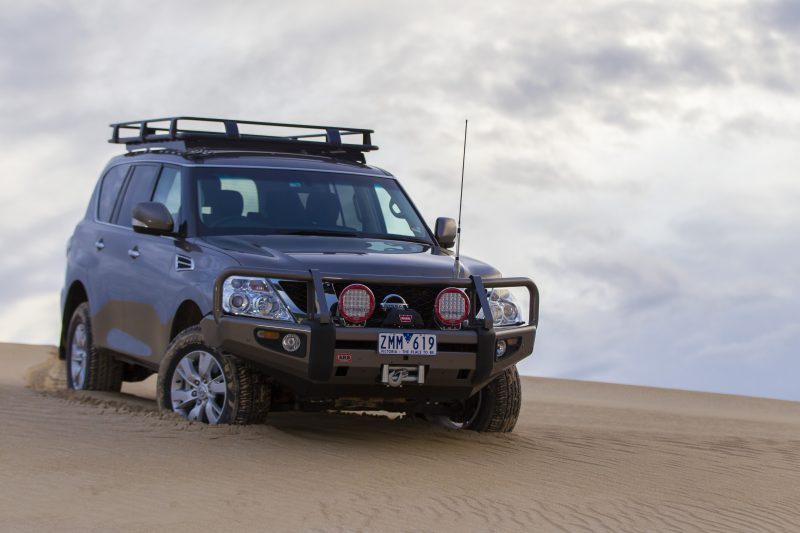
(200, 383)
(494, 409)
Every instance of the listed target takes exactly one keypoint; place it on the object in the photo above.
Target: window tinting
(347, 196)
(267, 201)
(109, 190)
(139, 189)
(168, 190)
(246, 188)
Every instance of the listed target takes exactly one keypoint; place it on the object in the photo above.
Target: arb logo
(344, 357)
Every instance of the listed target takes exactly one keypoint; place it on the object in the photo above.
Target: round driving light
(356, 303)
(291, 342)
(239, 302)
(451, 306)
(500, 348)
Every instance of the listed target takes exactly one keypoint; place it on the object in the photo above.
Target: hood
(345, 256)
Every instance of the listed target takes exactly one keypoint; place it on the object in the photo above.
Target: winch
(396, 375)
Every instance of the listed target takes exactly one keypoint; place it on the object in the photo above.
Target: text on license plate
(406, 344)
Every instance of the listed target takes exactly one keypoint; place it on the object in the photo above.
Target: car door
(125, 308)
(106, 247)
(159, 264)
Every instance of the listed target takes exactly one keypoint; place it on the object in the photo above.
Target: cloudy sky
(639, 160)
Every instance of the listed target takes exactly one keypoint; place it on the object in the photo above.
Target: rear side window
(109, 190)
(168, 190)
(139, 189)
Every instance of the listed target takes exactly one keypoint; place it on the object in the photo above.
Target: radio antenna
(457, 265)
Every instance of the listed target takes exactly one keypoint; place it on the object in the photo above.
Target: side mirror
(446, 230)
(153, 218)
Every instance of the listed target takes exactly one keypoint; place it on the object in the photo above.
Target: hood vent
(183, 263)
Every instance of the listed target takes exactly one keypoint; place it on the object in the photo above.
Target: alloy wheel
(78, 356)
(198, 389)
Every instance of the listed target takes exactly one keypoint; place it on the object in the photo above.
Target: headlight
(504, 307)
(253, 297)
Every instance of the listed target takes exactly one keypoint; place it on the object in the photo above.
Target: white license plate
(406, 344)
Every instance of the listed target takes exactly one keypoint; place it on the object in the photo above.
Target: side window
(168, 190)
(396, 223)
(139, 189)
(109, 190)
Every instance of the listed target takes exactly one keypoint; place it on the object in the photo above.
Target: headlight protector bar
(320, 312)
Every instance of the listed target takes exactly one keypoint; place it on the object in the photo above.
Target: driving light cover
(254, 297)
(504, 307)
(356, 303)
(451, 306)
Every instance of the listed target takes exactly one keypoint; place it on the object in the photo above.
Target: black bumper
(337, 362)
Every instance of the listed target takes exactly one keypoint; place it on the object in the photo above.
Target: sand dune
(585, 457)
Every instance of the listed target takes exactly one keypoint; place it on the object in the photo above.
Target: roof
(259, 160)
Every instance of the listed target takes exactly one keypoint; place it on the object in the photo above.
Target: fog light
(291, 342)
(500, 348)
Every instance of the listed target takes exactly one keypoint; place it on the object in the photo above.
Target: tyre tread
(502, 400)
(103, 371)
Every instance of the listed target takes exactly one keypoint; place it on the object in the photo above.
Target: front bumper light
(505, 308)
(254, 297)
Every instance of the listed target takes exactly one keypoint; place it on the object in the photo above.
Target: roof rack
(203, 135)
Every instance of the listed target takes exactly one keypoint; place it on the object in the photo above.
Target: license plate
(406, 344)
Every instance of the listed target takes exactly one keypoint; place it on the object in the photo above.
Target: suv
(255, 271)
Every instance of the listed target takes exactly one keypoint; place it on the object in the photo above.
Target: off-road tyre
(248, 394)
(102, 371)
(494, 409)
(501, 400)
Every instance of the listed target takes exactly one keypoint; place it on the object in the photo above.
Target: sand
(585, 457)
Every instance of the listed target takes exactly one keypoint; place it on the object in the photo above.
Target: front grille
(419, 298)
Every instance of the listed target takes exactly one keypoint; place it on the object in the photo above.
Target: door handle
(99, 244)
(133, 253)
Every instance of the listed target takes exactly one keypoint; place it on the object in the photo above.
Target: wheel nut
(194, 393)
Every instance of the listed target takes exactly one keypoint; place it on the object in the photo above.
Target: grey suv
(259, 266)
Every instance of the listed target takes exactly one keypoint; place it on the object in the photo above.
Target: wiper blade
(323, 232)
(405, 239)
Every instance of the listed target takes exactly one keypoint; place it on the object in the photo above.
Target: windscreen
(265, 201)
